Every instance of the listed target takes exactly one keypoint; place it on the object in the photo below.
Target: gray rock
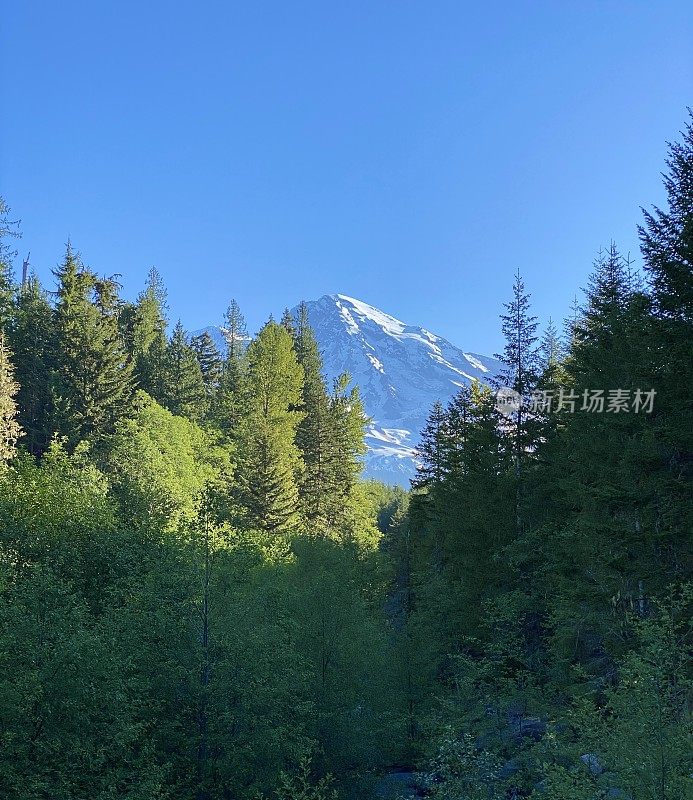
(592, 763)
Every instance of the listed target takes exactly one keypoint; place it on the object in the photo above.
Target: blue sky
(410, 154)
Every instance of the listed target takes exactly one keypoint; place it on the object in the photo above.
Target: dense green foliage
(200, 598)
(549, 546)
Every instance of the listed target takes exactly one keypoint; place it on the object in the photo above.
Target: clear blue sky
(410, 154)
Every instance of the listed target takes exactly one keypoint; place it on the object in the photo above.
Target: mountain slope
(401, 371)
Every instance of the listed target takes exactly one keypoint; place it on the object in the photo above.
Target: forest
(202, 599)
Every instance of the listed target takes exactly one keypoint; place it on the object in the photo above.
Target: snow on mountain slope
(401, 370)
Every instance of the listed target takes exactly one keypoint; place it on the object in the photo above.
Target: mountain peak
(401, 371)
(351, 307)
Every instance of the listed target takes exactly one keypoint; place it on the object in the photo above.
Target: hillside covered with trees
(201, 599)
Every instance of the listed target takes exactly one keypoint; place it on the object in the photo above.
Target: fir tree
(8, 230)
(94, 382)
(348, 424)
(184, 389)
(227, 407)
(520, 373)
(432, 451)
(235, 332)
(315, 433)
(33, 340)
(288, 323)
(550, 348)
(209, 359)
(667, 235)
(667, 248)
(268, 457)
(145, 325)
(10, 430)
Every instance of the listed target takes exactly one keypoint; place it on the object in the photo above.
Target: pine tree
(473, 512)
(235, 332)
(593, 495)
(348, 426)
(227, 407)
(431, 470)
(10, 430)
(667, 235)
(320, 497)
(458, 421)
(519, 356)
(93, 382)
(608, 293)
(269, 461)
(33, 341)
(209, 359)
(432, 450)
(8, 230)
(520, 373)
(145, 325)
(288, 323)
(667, 247)
(550, 348)
(184, 389)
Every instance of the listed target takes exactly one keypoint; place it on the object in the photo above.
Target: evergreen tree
(320, 497)
(520, 372)
(145, 325)
(94, 382)
(667, 235)
(209, 359)
(595, 501)
(10, 430)
(8, 230)
(184, 388)
(431, 470)
(348, 425)
(33, 340)
(667, 248)
(432, 451)
(550, 349)
(227, 408)
(269, 461)
(288, 323)
(235, 332)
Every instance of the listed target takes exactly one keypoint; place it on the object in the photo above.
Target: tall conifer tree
(315, 433)
(8, 231)
(227, 408)
(184, 389)
(146, 334)
(94, 381)
(10, 431)
(209, 359)
(269, 461)
(34, 343)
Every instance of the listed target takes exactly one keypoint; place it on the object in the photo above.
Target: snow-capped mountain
(400, 369)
